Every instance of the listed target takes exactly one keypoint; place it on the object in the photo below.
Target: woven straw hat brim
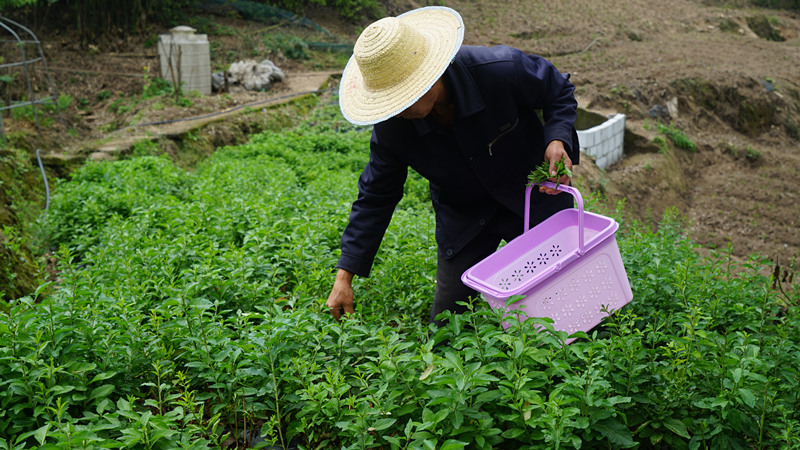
(443, 29)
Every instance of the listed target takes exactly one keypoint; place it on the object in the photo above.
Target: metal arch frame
(53, 98)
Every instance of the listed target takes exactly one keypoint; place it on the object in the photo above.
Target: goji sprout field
(189, 313)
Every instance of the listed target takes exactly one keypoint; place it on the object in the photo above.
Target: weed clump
(753, 154)
(677, 137)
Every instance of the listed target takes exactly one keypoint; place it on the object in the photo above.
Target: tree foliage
(95, 18)
(347, 9)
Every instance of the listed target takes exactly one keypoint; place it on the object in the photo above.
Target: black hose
(44, 177)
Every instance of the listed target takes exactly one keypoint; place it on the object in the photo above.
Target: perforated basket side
(580, 296)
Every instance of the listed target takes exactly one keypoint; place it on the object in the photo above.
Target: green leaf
(513, 299)
(618, 399)
(428, 415)
(600, 414)
(458, 419)
(513, 433)
(202, 303)
(408, 428)
(383, 424)
(616, 432)
(102, 392)
(737, 375)
(655, 438)
(441, 415)
(123, 405)
(719, 401)
(60, 390)
(747, 397)
(677, 427)
(82, 367)
(426, 373)
(39, 434)
(487, 397)
(393, 440)
(452, 444)
(103, 376)
(482, 378)
(103, 405)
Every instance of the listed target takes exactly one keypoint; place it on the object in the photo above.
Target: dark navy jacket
(480, 165)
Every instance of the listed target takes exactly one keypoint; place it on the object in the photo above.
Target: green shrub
(352, 10)
(292, 46)
(155, 87)
(42, 110)
(199, 302)
(204, 25)
(677, 137)
(101, 193)
(753, 154)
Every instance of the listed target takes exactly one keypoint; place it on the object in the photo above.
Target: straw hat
(396, 60)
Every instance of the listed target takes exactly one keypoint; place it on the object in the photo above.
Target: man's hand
(555, 152)
(341, 298)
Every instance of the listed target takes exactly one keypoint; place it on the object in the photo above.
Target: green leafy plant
(753, 154)
(156, 87)
(190, 309)
(542, 173)
(352, 10)
(677, 137)
(291, 46)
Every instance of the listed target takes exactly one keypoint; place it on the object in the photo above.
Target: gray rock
(217, 81)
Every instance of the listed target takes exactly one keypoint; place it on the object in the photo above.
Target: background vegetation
(190, 309)
(94, 19)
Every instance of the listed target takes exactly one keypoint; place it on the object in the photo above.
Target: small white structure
(605, 141)
(188, 54)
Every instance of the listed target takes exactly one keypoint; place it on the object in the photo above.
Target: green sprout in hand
(542, 173)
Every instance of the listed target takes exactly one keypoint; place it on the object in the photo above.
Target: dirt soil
(709, 70)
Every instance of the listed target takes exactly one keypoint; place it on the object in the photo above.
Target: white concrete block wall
(605, 141)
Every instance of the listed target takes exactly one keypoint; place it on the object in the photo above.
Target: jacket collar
(463, 92)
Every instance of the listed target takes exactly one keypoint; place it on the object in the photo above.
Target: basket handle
(561, 187)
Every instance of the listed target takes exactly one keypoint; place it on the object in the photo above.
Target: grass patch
(677, 137)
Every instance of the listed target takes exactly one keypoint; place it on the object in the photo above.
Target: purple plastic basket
(568, 268)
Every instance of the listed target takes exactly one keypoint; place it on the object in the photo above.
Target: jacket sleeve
(380, 188)
(542, 86)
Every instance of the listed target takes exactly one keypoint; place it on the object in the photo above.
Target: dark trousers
(449, 288)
